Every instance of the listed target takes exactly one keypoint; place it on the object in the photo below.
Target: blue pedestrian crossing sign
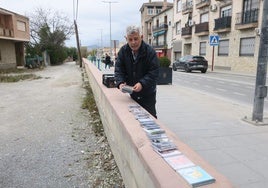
(214, 40)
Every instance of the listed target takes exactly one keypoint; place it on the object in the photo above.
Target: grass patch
(90, 104)
(17, 77)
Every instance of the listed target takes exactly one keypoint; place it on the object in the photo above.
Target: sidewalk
(215, 130)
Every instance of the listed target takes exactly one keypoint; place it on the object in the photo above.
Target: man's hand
(137, 87)
(122, 85)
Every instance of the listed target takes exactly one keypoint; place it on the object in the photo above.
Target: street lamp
(110, 2)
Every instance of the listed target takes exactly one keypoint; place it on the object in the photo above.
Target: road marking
(220, 89)
(236, 93)
(235, 84)
(249, 87)
(221, 82)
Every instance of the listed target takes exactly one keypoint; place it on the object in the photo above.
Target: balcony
(202, 29)
(223, 24)
(159, 44)
(160, 27)
(202, 3)
(187, 7)
(247, 19)
(6, 32)
(186, 32)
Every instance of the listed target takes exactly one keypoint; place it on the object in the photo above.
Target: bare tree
(53, 20)
(49, 30)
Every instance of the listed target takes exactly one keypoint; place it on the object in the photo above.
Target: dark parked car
(191, 62)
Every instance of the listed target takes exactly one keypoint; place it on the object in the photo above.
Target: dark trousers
(107, 65)
(148, 103)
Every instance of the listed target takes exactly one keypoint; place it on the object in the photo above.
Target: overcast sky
(93, 16)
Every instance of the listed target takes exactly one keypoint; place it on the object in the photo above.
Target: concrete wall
(139, 165)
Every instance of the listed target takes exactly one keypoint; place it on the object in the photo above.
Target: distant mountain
(91, 47)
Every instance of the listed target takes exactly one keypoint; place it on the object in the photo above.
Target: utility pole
(75, 13)
(78, 45)
(260, 87)
(110, 15)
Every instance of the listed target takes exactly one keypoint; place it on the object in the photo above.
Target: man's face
(134, 41)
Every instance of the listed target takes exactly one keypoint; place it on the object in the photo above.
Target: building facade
(14, 32)
(235, 23)
(156, 20)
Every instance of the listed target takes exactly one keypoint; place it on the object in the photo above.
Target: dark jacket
(107, 59)
(144, 69)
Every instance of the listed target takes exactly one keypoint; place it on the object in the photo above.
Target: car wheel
(204, 70)
(186, 68)
(174, 67)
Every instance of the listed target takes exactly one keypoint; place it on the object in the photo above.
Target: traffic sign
(214, 40)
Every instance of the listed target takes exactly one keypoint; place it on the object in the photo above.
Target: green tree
(49, 31)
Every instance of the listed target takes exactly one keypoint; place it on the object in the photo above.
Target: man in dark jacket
(137, 65)
(107, 61)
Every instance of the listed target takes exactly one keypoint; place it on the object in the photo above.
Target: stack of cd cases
(161, 144)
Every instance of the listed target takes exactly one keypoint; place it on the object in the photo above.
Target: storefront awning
(159, 33)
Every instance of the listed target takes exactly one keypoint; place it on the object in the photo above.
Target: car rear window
(198, 58)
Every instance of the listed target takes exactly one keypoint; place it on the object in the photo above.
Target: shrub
(164, 61)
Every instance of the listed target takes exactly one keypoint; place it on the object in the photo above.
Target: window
(250, 4)
(250, 11)
(202, 48)
(150, 11)
(247, 46)
(226, 11)
(204, 18)
(178, 5)
(178, 28)
(189, 3)
(21, 26)
(158, 10)
(223, 48)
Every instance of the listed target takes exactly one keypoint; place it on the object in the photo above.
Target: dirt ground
(47, 138)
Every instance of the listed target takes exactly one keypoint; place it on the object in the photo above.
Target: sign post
(260, 85)
(213, 41)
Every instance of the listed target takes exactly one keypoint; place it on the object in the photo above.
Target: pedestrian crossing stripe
(214, 40)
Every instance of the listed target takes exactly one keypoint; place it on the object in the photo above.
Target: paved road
(40, 142)
(237, 88)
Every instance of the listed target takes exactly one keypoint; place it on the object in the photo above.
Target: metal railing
(249, 16)
(160, 26)
(202, 27)
(186, 31)
(223, 23)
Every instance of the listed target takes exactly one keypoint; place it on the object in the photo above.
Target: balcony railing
(247, 17)
(201, 28)
(187, 7)
(159, 44)
(202, 3)
(186, 31)
(161, 26)
(6, 32)
(223, 23)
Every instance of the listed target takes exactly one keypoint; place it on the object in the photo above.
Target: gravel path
(45, 136)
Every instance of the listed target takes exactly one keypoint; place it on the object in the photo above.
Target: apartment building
(156, 23)
(14, 31)
(235, 23)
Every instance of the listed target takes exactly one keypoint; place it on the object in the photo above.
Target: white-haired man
(137, 65)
